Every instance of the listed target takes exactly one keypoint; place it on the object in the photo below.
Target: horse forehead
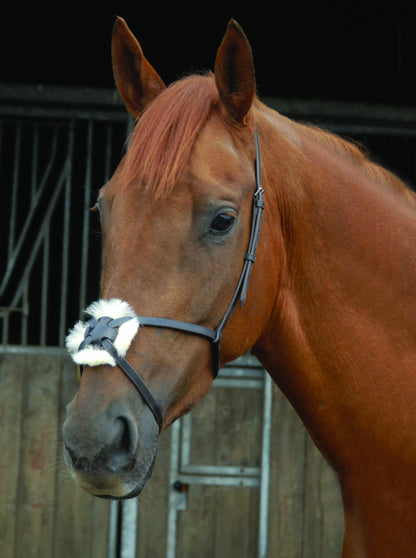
(215, 156)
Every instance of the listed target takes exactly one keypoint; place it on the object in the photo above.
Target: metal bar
(220, 470)
(186, 429)
(130, 125)
(5, 333)
(65, 238)
(128, 528)
(63, 113)
(366, 129)
(40, 236)
(44, 287)
(35, 159)
(265, 468)
(34, 350)
(109, 139)
(234, 372)
(247, 361)
(60, 98)
(239, 383)
(11, 261)
(13, 207)
(63, 96)
(343, 110)
(177, 500)
(25, 313)
(219, 480)
(113, 529)
(86, 220)
(1, 145)
(5, 310)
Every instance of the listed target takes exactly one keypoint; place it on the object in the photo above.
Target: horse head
(177, 217)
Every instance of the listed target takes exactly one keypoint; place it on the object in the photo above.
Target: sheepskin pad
(92, 355)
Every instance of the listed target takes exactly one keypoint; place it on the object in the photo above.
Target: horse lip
(84, 479)
(133, 494)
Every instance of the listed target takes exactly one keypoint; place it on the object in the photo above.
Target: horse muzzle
(110, 454)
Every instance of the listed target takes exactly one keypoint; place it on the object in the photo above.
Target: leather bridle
(102, 332)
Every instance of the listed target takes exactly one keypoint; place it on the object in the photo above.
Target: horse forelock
(164, 135)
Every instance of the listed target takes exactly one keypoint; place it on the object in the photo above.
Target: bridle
(103, 331)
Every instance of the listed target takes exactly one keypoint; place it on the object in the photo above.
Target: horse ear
(136, 80)
(234, 72)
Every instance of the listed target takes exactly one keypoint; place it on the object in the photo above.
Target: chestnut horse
(330, 310)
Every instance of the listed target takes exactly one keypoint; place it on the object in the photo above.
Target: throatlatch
(113, 324)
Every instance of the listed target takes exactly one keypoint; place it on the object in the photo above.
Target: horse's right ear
(234, 73)
(136, 80)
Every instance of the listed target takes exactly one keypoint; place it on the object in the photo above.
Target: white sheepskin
(95, 356)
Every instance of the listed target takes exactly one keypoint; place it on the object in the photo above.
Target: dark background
(349, 51)
(362, 52)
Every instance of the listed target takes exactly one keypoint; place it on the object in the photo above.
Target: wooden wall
(305, 517)
(43, 514)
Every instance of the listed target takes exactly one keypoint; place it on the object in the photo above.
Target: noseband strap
(101, 332)
(132, 375)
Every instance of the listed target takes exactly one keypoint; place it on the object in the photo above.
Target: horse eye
(222, 223)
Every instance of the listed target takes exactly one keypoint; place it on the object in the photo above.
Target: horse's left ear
(234, 72)
(136, 80)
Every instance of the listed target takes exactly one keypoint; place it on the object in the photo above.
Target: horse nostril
(125, 441)
(123, 447)
(79, 463)
(112, 447)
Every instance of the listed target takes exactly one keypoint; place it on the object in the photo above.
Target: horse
(213, 180)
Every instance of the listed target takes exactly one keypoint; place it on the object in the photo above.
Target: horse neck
(341, 343)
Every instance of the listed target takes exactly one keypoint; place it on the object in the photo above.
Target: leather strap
(249, 257)
(240, 293)
(132, 375)
(104, 331)
(187, 327)
(98, 329)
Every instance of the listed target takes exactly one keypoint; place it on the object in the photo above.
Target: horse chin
(115, 486)
(133, 494)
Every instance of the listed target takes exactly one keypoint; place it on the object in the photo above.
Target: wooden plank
(153, 506)
(81, 521)
(196, 530)
(36, 482)
(236, 521)
(204, 425)
(324, 521)
(287, 485)
(238, 443)
(11, 395)
(226, 428)
(222, 520)
(238, 434)
(305, 512)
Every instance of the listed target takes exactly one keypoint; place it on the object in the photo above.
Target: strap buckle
(103, 328)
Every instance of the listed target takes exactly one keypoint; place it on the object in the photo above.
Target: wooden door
(42, 512)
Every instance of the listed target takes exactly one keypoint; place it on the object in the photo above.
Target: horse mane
(165, 133)
(358, 155)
